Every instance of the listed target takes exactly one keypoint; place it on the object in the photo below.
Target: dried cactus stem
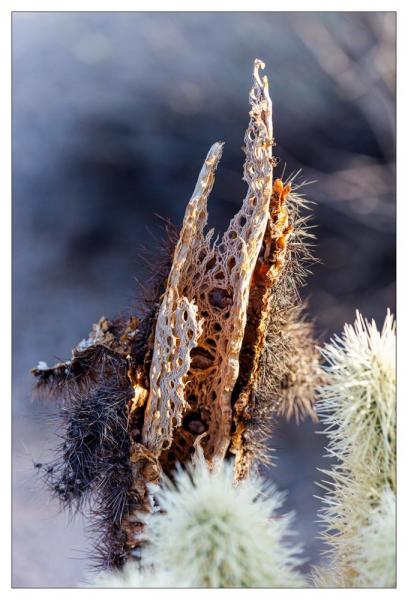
(146, 470)
(268, 269)
(186, 379)
(213, 280)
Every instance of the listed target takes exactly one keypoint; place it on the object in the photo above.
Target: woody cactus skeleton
(221, 349)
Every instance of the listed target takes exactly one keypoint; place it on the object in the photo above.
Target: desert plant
(165, 415)
(212, 532)
(219, 350)
(357, 405)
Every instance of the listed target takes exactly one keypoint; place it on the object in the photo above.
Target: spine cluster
(358, 408)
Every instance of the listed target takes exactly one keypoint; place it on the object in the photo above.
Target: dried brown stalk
(221, 350)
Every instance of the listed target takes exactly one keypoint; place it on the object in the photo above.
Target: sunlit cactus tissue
(358, 407)
(212, 532)
(168, 415)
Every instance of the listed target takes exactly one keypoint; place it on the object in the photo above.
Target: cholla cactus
(218, 346)
(375, 545)
(223, 535)
(214, 533)
(358, 405)
(358, 408)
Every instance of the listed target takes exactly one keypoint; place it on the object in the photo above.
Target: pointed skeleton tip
(218, 146)
(258, 64)
(262, 83)
(214, 153)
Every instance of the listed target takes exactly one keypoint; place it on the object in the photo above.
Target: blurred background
(113, 114)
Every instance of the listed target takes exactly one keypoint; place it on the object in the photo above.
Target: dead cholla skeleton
(220, 350)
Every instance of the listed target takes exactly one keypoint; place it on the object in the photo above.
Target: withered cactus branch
(222, 350)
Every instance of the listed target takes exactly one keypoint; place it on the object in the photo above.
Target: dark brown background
(113, 114)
